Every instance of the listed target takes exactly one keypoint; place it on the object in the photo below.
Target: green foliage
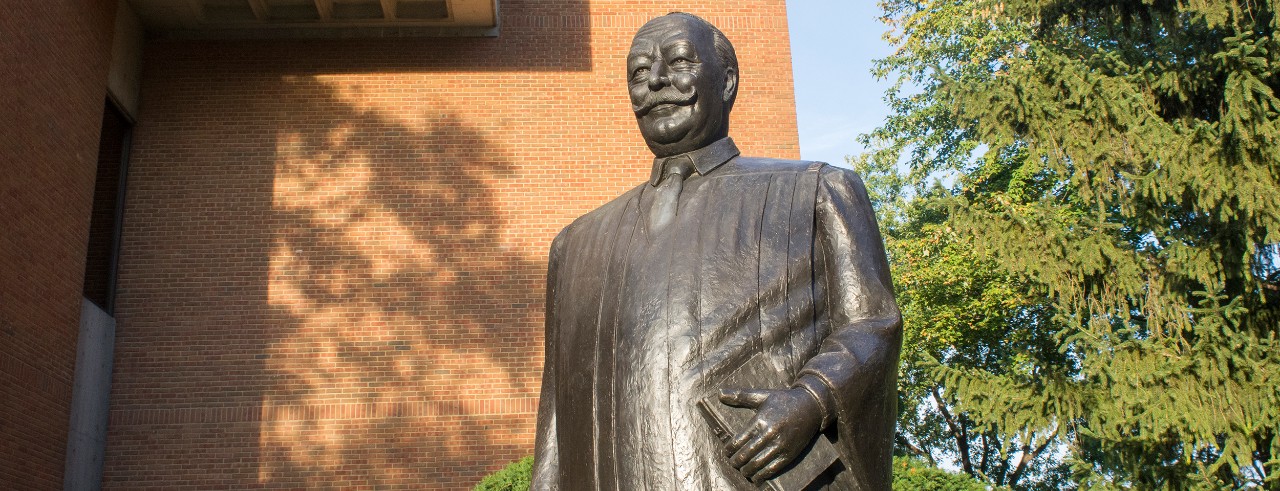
(1086, 237)
(963, 311)
(516, 476)
(913, 475)
(908, 475)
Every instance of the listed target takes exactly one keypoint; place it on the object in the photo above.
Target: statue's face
(679, 88)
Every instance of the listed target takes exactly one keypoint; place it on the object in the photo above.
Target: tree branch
(1025, 460)
(986, 452)
(915, 450)
(961, 436)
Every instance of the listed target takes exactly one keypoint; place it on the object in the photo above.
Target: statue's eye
(680, 62)
(640, 72)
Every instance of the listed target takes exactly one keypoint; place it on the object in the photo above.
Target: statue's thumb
(748, 398)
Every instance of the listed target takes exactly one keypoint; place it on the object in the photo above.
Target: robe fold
(766, 257)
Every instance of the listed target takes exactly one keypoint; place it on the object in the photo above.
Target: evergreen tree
(1110, 171)
(962, 311)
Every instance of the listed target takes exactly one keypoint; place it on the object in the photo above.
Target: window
(108, 207)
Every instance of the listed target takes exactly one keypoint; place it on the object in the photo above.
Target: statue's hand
(786, 422)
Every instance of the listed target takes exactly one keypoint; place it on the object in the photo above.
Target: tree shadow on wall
(401, 306)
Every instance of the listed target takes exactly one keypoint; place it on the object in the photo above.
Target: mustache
(665, 96)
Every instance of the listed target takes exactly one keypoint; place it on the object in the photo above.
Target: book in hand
(726, 421)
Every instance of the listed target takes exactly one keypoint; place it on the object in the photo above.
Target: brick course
(53, 70)
(334, 251)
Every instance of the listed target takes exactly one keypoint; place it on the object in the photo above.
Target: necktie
(667, 198)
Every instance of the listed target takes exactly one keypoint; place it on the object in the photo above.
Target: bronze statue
(729, 324)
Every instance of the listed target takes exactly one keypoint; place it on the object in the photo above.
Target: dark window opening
(108, 207)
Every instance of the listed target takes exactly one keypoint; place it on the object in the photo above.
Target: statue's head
(683, 77)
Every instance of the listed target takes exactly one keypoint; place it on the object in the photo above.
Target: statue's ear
(730, 84)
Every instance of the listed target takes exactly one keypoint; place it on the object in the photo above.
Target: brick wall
(334, 251)
(54, 60)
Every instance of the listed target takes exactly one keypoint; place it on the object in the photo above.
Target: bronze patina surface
(729, 324)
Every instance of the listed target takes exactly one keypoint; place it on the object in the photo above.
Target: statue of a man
(724, 282)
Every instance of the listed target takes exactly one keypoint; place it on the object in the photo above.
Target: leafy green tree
(963, 311)
(1109, 170)
(911, 474)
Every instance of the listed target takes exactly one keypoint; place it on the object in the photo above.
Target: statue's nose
(658, 75)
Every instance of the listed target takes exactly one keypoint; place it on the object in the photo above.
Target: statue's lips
(664, 109)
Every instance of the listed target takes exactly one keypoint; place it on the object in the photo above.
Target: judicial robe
(766, 258)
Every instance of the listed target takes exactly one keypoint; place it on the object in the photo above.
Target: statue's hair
(724, 48)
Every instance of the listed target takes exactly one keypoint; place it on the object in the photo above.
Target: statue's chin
(667, 133)
(664, 136)
(667, 125)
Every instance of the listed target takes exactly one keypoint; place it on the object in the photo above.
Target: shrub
(913, 475)
(516, 476)
(908, 475)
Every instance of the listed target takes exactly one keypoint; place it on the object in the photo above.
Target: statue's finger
(748, 398)
(748, 452)
(771, 469)
(739, 440)
(764, 457)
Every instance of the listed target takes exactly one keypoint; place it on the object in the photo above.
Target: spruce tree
(1113, 165)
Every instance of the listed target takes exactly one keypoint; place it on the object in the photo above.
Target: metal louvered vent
(230, 19)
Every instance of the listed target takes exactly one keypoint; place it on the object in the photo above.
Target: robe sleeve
(546, 456)
(856, 367)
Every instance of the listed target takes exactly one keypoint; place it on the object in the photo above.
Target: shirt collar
(704, 159)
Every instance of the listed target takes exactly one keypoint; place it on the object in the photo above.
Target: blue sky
(837, 98)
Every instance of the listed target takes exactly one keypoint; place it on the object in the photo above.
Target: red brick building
(327, 266)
